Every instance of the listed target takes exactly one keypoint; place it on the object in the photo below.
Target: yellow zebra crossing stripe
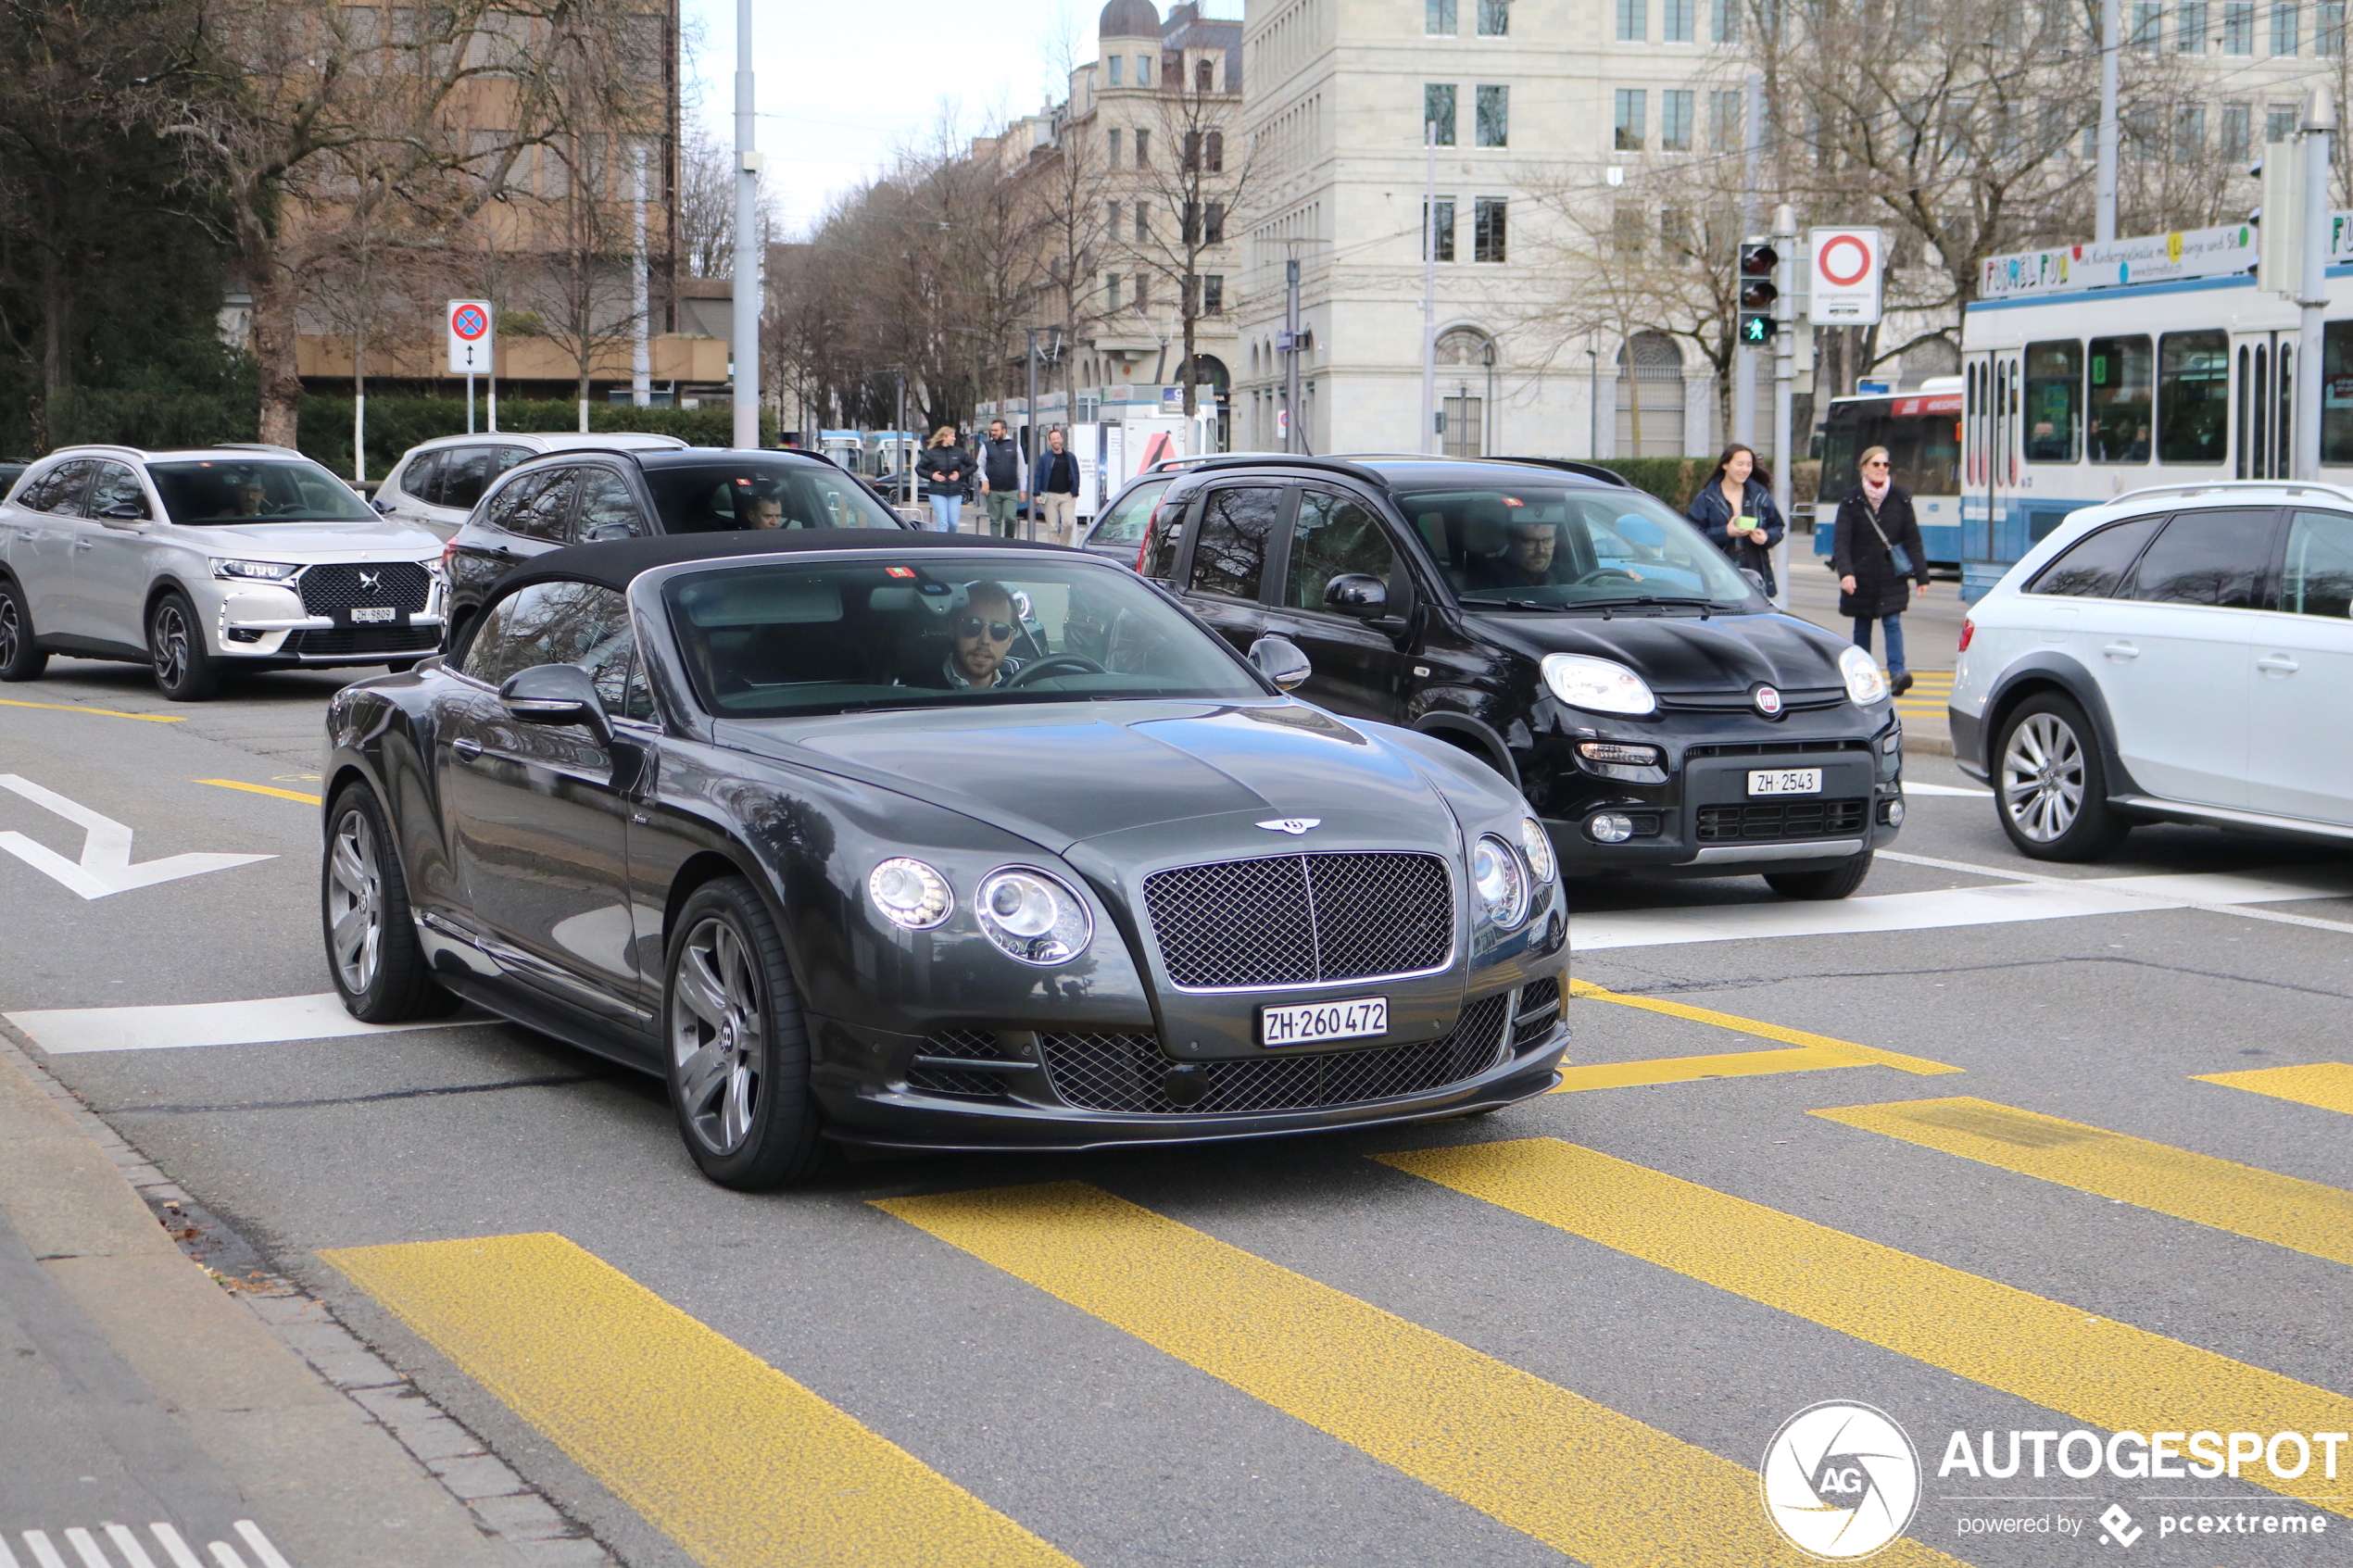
(1598, 1485)
(739, 1464)
(2105, 1373)
(2327, 1085)
(2284, 1210)
(1812, 1053)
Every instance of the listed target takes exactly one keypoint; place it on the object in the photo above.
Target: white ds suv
(2183, 654)
(200, 562)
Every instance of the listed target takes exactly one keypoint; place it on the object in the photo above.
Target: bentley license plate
(1785, 781)
(374, 612)
(1311, 1022)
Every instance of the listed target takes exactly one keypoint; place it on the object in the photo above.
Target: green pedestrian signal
(1756, 292)
(1755, 330)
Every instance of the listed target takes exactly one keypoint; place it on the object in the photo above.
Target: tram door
(2263, 413)
(1990, 470)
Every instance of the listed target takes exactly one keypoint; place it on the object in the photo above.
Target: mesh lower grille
(406, 641)
(400, 583)
(971, 1045)
(1292, 919)
(1796, 818)
(1126, 1072)
(1539, 1008)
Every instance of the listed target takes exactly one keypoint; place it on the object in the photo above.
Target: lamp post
(1487, 435)
(747, 284)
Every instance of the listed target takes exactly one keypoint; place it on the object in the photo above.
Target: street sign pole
(1784, 385)
(472, 328)
(747, 288)
(2318, 131)
(469, 403)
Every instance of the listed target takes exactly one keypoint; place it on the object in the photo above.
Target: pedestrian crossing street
(742, 1463)
(1925, 703)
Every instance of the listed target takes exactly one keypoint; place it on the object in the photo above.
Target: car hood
(383, 539)
(1684, 653)
(1068, 772)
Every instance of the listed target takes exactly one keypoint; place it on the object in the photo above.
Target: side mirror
(1354, 592)
(1756, 578)
(382, 505)
(1278, 659)
(558, 694)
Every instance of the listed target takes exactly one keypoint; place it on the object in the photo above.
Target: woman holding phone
(1735, 509)
(1877, 553)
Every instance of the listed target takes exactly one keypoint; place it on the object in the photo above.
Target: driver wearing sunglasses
(981, 635)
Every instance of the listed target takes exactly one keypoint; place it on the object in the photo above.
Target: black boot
(1901, 684)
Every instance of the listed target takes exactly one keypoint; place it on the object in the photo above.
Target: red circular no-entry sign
(1845, 260)
(469, 321)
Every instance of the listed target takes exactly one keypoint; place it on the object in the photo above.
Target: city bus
(1921, 431)
(2072, 397)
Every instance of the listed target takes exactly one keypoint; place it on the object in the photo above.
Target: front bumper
(268, 622)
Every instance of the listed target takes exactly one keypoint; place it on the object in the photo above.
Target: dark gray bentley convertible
(914, 841)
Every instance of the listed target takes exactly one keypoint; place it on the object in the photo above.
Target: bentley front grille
(1297, 919)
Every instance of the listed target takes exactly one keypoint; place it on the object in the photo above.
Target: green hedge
(1676, 480)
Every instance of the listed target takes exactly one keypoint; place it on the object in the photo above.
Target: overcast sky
(842, 83)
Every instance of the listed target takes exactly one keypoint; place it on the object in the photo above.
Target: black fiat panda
(1586, 642)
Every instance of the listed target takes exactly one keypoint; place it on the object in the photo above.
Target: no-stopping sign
(470, 337)
(1845, 284)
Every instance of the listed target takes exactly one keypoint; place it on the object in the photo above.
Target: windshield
(720, 496)
(1123, 524)
(1537, 546)
(927, 632)
(224, 490)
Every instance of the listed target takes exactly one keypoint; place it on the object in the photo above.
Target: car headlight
(254, 571)
(1033, 917)
(1864, 682)
(1498, 883)
(909, 893)
(1597, 685)
(1538, 846)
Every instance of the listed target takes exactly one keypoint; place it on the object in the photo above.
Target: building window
(1143, 303)
(1113, 159)
(1143, 223)
(2189, 133)
(2236, 120)
(1110, 212)
(1212, 295)
(1205, 74)
(1213, 152)
(2189, 28)
(1675, 120)
(1726, 125)
(1675, 234)
(2279, 122)
(2148, 24)
(1438, 18)
(1144, 70)
(2238, 27)
(1494, 18)
(1728, 22)
(1676, 19)
(1488, 229)
(1119, 71)
(1439, 218)
(1111, 291)
(2328, 27)
(1626, 232)
(1213, 232)
(1633, 21)
(2283, 28)
(1632, 110)
(1437, 109)
(1143, 149)
(1495, 117)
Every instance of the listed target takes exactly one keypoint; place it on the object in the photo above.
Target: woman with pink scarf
(1876, 552)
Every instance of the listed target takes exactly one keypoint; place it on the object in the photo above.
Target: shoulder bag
(1897, 553)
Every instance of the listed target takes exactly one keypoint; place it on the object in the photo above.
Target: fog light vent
(1610, 827)
(1891, 813)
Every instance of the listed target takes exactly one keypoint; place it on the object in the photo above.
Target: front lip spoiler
(1804, 849)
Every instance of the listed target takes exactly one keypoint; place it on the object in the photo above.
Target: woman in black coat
(1735, 509)
(1874, 522)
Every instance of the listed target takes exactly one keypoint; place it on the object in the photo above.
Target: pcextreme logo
(1841, 1480)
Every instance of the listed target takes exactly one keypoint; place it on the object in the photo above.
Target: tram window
(2208, 559)
(2093, 566)
(2193, 398)
(2119, 400)
(2336, 395)
(2317, 577)
(2054, 401)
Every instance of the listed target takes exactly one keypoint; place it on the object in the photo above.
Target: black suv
(578, 497)
(1584, 640)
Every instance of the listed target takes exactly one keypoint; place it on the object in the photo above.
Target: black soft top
(615, 563)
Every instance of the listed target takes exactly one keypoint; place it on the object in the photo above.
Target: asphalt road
(1566, 1332)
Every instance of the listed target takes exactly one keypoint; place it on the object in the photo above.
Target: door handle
(83, 544)
(466, 748)
(2280, 662)
(2122, 650)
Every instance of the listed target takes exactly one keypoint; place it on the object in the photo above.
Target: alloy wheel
(355, 901)
(11, 630)
(2043, 777)
(170, 644)
(717, 1035)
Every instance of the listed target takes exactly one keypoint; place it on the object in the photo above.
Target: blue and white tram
(2071, 398)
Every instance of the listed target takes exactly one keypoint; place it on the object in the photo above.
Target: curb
(1926, 745)
(502, 1506)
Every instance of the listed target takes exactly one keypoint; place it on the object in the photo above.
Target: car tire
(1836, 882)
(735, 1045)
(2050, 783)
(373, 955)
(19, 660)
(185, 669)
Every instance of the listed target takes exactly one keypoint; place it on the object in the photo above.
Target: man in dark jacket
(1056, 488)
(1876, 552)
(1000, 479)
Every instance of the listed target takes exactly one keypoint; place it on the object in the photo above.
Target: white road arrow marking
(106, 863)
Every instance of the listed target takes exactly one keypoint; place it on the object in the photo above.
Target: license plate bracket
(1308, 1023)
(1785, 781)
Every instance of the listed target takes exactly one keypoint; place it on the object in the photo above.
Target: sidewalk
(162, 1411)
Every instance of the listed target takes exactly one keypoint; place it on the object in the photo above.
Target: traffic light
(1758, 262)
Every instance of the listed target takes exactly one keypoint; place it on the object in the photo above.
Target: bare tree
(1202, 181)
(705, 206)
